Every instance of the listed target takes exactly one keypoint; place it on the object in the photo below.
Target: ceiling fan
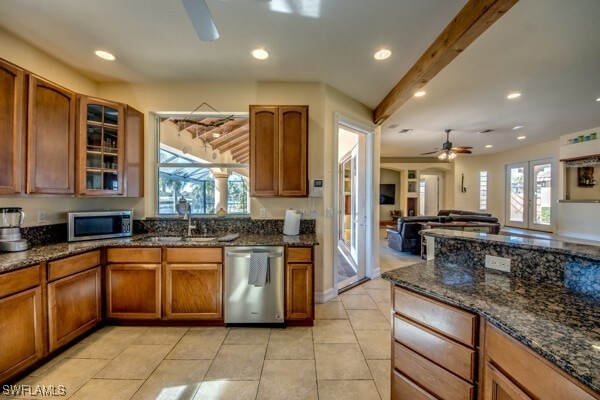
(449, 153)
(201, 19)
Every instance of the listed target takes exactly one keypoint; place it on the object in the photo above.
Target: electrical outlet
(42, 216)
(313, 214)
(497, 263)
(262, 213)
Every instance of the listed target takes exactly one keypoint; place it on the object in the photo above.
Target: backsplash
(57, 233)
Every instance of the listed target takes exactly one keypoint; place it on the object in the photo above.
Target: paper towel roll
(291, 224)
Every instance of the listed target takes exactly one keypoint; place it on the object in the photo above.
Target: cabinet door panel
(299, 299)
(73, 306)
(497, 386)
(134, 153)
(21, 341)
(293, 147)
(11, 128)
(50, 138)
(194, 291)
(264, 147)
(133, 291)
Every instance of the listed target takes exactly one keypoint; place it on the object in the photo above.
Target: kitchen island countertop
(561, 325)
(16, 260)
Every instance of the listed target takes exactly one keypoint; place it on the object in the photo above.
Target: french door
(529, 195)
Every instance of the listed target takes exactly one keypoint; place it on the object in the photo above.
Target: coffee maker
(11, 219)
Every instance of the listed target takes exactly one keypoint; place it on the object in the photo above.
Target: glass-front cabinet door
(101, 145)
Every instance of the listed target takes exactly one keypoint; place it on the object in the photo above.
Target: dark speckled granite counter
(12, 261)
(547, 315)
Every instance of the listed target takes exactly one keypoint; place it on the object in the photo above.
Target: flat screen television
(387, 193)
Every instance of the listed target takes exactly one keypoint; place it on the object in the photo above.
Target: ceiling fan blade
(431, 152)
(462, 147)
(461, 151)
(201, 19)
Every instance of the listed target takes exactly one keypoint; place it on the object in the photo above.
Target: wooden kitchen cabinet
(278, 151)
(512, 371)
(101, 147)
(194, 283)
(50, 138)
(21, 323)
(299, 296)
(133, 283)
(434, 348)
(74, 297)
(134, 153)
(12, 156)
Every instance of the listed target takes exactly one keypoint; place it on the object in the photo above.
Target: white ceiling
(547, 49)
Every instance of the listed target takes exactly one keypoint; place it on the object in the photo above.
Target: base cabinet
(74, 306)
(194, 283)
(21, 325)
(133, 283)
(512, 371)
(299, 296)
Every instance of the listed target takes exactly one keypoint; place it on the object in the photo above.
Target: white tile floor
(346, 355)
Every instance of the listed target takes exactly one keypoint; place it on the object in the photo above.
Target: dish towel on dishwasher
(259, 269)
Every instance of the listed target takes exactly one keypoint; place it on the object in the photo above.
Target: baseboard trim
(324, 297)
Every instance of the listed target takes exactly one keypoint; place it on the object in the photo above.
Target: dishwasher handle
(246, 254)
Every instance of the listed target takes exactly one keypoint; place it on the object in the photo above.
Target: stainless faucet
(188, 210)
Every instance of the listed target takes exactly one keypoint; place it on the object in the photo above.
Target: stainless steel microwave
(99, 225)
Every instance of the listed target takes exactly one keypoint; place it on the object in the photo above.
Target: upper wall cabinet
(134, 153)
(100, 147)
(11, 128)
(50, 138)
(278, 151)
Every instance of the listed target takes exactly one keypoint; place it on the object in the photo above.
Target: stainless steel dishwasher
(250, 304)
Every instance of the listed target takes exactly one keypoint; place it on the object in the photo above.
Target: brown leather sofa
(406, 237)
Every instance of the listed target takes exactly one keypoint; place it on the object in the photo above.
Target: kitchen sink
(199, 239)
(163, 239)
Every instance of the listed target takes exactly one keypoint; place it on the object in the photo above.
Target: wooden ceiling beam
(229, 126)
(240, 148)
(233, 143)
(471, 21)
(233, 135)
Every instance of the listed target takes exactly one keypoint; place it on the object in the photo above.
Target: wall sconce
(463, 189)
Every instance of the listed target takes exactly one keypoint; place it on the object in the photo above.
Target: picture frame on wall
(412, 174)
(412, 187)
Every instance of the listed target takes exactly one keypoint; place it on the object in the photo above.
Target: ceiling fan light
(443, 156)
(451, 156)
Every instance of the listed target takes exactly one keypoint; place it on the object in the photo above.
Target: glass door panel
(529, 195)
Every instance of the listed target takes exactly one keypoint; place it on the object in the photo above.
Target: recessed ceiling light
(105, 55)
(260, 54)
(382, 54)
(420, 93)
(521, 137)
(598, 99)
(487, 146)
(513, 95)
(517, 127)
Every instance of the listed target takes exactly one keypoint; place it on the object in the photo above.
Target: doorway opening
(354, 205)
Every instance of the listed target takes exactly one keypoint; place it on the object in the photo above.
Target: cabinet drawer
(17, 281)
(133, 255)
(299, 254)
(450, 321)
(196, 255)
(528, 370)
(404, 388)
(70, 265)
(436, 379)
(443, 351)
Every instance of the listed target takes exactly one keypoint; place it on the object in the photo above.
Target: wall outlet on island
(42, 216)
(497, 263)
(262, 213)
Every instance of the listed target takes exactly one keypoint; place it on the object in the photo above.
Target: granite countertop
(560, 325)
(16, 260)
(590, 252)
